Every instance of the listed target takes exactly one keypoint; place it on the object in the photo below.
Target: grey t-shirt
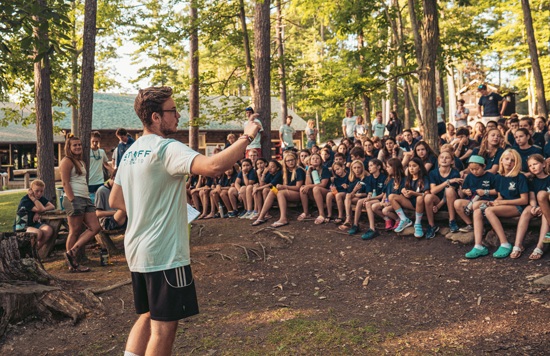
(287, 132)
(102, 201)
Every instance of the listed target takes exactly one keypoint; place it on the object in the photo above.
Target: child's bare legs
(459, 205)
(544, 228)
(523, 225)
(330, 199)
(340, 204)
(195, 196)
(349, 201)
(282, 198)
(242, 197)
(214, 200)
(233, 195)
(358, 210)
(544, 203)
(450, 195)
(492, 213)
(205, 200)
(249, 198)
(371, 207)
(268, 203)
(319, 195)
(389, 213)
(429, 202)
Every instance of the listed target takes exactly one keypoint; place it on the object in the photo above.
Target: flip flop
(259, 222)
(516, 252)
(345, 226)
(319, 220)
(537, 254)
(278, 224)
(303, 216)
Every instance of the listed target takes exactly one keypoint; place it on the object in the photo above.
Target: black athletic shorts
(169, 295)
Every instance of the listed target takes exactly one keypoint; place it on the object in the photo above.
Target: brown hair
(149, 101)
(96, 134)
(75, 159)
(39, 183)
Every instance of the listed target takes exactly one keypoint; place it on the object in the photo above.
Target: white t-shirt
(152, 175)
(379, 128)
(349, 123)
(256, 143)
(97, 158)
(287, 132)
(440, 114)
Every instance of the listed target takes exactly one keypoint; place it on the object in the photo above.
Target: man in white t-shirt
(348, 125)
(286, 133)
(378, 127)
(98, 160)
(150, 188)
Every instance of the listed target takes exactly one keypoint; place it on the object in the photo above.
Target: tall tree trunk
(87, 81)
(406, 107)
(365, 99)
(43, 105)
(246, 43)
(74, 76)
(281, 54)
(426, 45)
(262, 71)
(451, 88)
(194, 77)
(533, 53)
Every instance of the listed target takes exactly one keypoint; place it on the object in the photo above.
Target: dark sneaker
(370, 234)
(354, 229)
(432, 230)
(242, 213)
(233, 213)
(453, 226)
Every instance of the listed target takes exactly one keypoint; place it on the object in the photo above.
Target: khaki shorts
(79, 206)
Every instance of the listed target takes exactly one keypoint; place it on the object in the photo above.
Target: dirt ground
(318, 292)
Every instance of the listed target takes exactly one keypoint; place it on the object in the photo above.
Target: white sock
(418, 218)
(506, 245)
(128, 353)
(479, 247)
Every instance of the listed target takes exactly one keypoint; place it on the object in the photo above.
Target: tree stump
(26, 289)
(104, 239)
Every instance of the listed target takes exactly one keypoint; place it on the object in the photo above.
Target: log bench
(26, 173)
(104, 239)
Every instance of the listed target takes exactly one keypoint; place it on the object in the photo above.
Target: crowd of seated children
(481, 176)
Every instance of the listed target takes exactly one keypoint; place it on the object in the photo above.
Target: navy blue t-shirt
(415, 185)
(325, 174)
(490, 104)
(251, 175)
(538, 139)
(546, 151)
(390, 189)
(436, 178)
(458, 164)
(525, 155)
(511, 187)
(226, 181)
(210, 182)
(486, 182)
(328, 164)
(433, 160)
(29, 204)
(537, 184)
(490, 161)
(339, 182)
(375, 184)
(407, 147)
(274, 179)
(300, 176)
(352, 185)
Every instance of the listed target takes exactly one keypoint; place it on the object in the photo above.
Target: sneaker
(418, 232)
(431, 231)
(546, 239)
(354, 229)
(389, 224)
(475, 253)
(246, 215)
(254, 215)
(242, 213)
(370, 234)
(403, 224)
(233, 213)
(467, 228)
(453, 226)
(395, 224)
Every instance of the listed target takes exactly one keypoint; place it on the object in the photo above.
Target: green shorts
(79, 206)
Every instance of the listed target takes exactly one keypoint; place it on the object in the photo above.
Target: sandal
(338, 220)
(259, 222)
(71, 260)
(278, 224)
(516, 252)
(328, 219)
(303, 216)
(537, 254)
(320, 219)
(345, 226)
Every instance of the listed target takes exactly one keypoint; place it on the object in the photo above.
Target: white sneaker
(254, 216)
(467, 228)
(246, 215)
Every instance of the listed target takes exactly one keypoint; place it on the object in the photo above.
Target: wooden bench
(104, 239)
(26, 173)
(56, 219)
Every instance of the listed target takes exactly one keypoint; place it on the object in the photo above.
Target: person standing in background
(378, 127)
(461, 114)
(98, 161)
(286, 133)
(348, 125)
(125, 141)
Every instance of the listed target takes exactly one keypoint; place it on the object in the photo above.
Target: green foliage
(8, 207)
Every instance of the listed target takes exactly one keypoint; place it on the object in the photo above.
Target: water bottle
(315, 176)
(220, 210)
(274, 190)
(468, 208)
(374, 193)
(333, 189)
(103, 257)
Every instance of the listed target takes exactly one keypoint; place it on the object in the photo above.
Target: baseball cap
(249, 109)
(482, 87)
(476, 159)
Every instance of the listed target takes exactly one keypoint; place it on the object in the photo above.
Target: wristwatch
(248, 137)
